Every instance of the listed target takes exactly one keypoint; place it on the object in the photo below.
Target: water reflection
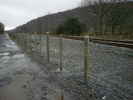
(5, 57)
(4, 54)
(19, 56)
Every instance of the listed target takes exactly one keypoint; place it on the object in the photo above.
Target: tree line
(112, 14)
(1, 28)
(71, 26)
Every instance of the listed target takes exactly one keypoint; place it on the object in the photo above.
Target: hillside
(51, 21)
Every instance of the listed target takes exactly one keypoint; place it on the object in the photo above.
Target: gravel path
(110, 69)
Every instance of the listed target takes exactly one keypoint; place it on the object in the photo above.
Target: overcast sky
(17, 12)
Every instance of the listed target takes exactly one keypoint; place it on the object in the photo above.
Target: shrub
(71, 26)
(1, 28)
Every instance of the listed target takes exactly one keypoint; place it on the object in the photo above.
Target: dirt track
(21, 78)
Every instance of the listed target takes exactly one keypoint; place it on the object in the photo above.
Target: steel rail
(118, 43)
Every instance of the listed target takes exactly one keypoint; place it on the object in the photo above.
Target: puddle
(6, 57)
(19, 56)
(8, 45)
(2, 45)
(12, 43)
(3, 62)
(15, 91)
(15, 47)
(22, 78)
(4, 54)
(5, 81)
(39, 83)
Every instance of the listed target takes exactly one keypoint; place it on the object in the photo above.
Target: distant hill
(51, 21)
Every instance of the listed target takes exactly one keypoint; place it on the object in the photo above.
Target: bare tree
(119, 13)
(96, 9)
(1, 28)
(39, 24)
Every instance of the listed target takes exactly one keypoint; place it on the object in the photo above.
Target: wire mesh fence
(66, 54)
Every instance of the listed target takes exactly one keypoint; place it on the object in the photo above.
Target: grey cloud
(18, 12)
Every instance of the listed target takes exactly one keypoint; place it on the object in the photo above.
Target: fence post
(48, 52)
(28, 40)
(86, 52)
(60, 36)
(36, 42)
(10, 35)
(24, 39)
(17, 37)
(40, 45)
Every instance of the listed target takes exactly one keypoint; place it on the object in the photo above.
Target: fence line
(61, 56)
(40, 41)
(30, 43)
(24, 39)
(36, 42)
(28, 38)
(48, 49)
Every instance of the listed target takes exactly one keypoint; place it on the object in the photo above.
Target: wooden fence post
(40, 45)
(24, 39)
(36, 42)
(60, 36)
(10, 35)
(48, 52)
(86, 52)
(18, 37)
(28, 40)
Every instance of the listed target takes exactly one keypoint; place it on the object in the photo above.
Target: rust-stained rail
(119, 43)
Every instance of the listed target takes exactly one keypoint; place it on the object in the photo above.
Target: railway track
(118, 43)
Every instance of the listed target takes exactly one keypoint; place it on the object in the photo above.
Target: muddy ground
(24, 72)
(22, 78)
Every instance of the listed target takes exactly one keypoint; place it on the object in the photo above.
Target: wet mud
(21, 78)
